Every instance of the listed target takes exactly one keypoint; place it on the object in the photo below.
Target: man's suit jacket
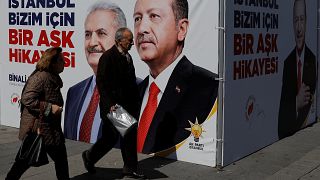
(74, 102)
(189, 95)
(116, 82)
(288, 122)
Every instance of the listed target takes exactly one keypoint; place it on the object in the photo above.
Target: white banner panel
(261, 73)
(2, 46)
(30, 27)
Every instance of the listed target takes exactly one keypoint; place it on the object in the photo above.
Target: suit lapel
(175, 90)
(291, 74)
(142, 88)
(82, 95)
(309, 72)
(306, 64)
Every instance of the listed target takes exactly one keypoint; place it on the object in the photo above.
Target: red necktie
(299, 81)
(87, 121)
(147, 115)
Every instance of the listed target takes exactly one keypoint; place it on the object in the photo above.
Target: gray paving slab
(295, 157)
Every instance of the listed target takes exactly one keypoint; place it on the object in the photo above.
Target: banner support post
(221, 70)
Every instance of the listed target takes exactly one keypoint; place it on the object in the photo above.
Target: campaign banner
(268, 95)
(2, 45)
(1, 76)
(31, 26)
(318, 54)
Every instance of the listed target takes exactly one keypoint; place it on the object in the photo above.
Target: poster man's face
(299, 24)
(99, 35)
(155, 29)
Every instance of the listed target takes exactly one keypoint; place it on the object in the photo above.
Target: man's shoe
(134, 175)
(87, 164)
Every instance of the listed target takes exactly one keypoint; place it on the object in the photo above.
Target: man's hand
(113, 108)
(304, 96)
(56, 110)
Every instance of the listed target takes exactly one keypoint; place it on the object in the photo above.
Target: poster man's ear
(183, 26)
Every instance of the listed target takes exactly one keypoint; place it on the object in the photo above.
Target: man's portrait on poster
(299, 78)
(175, 91)
(100, 25)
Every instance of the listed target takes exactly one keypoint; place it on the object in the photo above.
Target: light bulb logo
(196, 130)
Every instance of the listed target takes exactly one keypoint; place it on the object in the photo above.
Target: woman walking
(41, 97)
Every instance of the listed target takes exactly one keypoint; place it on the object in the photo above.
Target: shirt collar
(93, 83)
(163, 78)
(302, 55)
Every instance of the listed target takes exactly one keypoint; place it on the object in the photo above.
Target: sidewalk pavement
(295, 157)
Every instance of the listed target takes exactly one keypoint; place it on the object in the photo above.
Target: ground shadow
(148, 166)
(101, 174)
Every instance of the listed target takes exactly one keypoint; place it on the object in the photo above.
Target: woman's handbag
(121, 119)
(32, 150)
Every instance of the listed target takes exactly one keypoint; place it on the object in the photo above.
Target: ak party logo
(15, 99)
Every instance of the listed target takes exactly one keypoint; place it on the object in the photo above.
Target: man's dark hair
(305, 6)
(180, 9)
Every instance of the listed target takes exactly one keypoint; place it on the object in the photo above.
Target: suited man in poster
(298, 80)
(101, 23)
(176, 91)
